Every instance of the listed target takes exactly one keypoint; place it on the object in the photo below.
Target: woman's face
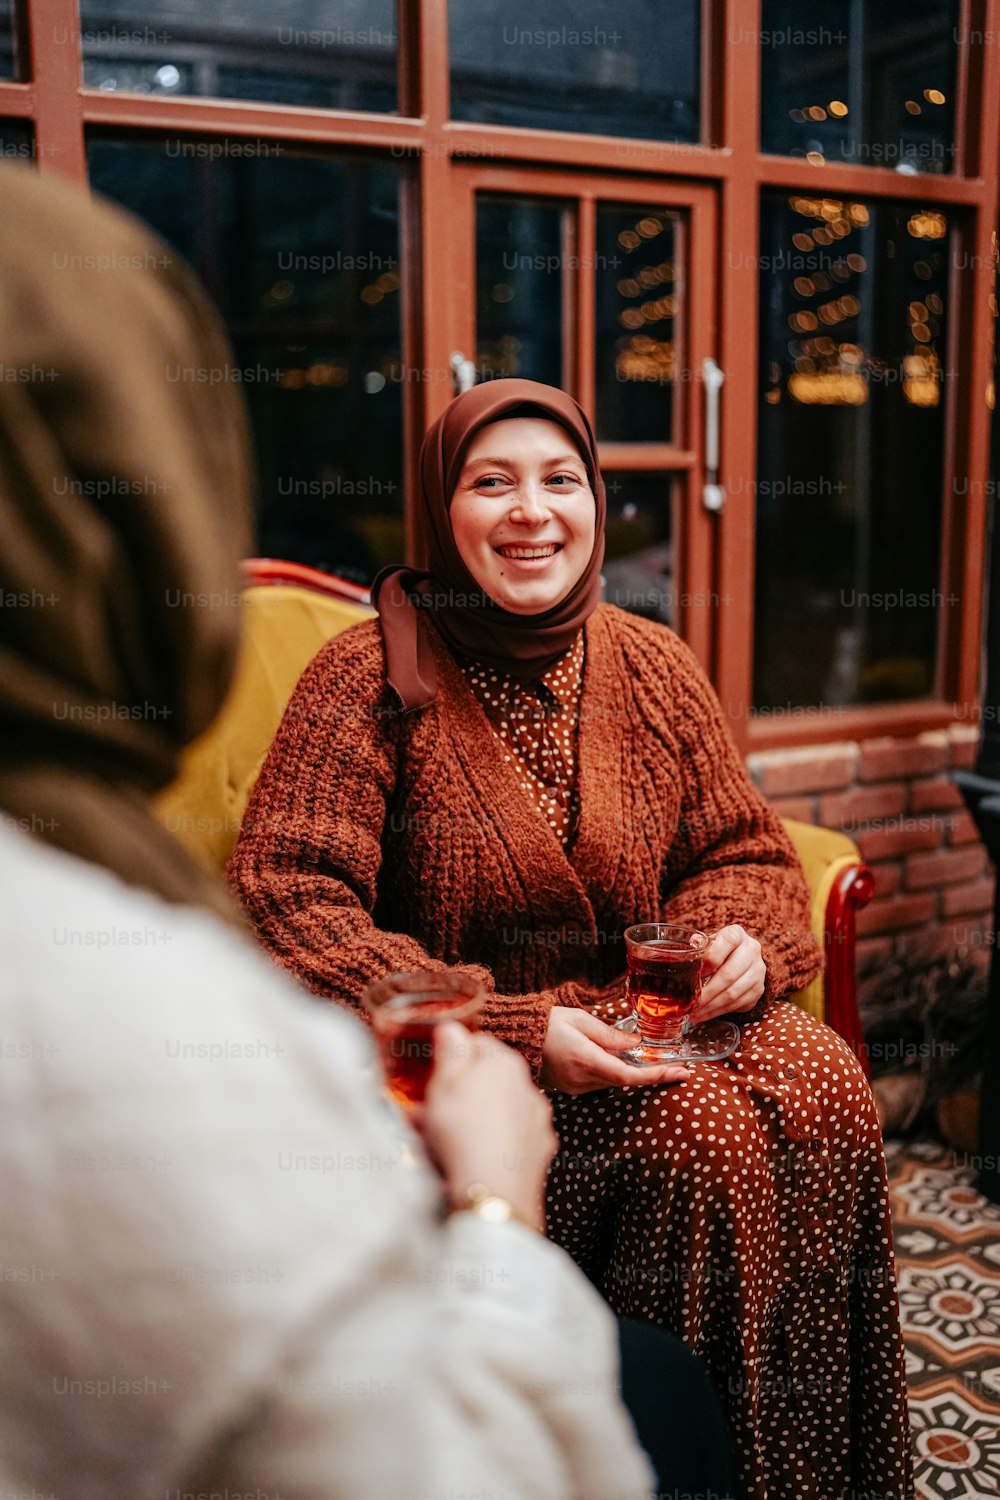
(523, 514)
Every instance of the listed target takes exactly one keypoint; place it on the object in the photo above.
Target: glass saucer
(707, 1042)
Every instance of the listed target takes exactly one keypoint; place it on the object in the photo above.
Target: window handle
(713, 495)
(463, 373)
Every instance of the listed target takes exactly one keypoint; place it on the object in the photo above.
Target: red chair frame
(850, 893)
(261, 571)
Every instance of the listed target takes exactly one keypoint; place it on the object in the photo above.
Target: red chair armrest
(852, 890)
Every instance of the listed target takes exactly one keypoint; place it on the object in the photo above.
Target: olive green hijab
(124, 509)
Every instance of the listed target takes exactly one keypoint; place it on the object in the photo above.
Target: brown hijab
(124, 508)
(473, 626)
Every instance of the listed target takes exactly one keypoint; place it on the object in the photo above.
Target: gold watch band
(489, 1206)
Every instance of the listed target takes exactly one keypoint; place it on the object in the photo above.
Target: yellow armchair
(840, 885)
(284, 626)
(286, 623)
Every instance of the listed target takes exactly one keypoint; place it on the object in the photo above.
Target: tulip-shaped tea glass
(405, 1011)
(664, 981)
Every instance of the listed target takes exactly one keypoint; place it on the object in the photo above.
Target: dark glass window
(867, 82)
(519, 288)
(854, 386)
(583, 65)
(17, 141)
(302, 256)
(638, 572)
(334, 54)
(638, 286)
(9, 61)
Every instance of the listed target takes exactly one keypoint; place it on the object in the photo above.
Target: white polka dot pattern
(747, 1211)
(536, 723)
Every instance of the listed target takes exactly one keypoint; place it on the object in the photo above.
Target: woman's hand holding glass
(735, 975)
(579, 1055)
(483, 1121)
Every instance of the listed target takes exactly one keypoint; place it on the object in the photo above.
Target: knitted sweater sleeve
(307, 862)
(731, 861)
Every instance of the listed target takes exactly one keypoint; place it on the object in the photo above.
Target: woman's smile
(520, 553)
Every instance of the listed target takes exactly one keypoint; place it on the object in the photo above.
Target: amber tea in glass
(663, 983)
(405, 1010)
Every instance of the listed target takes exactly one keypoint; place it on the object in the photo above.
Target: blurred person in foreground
(224, 1269)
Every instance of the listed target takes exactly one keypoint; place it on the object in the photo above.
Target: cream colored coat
(222, 1270)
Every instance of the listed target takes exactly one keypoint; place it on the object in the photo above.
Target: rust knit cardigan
(375, 841)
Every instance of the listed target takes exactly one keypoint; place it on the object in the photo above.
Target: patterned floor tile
(956, 1306)
(947, 1240)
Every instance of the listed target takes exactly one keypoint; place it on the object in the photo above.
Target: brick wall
(895, 799)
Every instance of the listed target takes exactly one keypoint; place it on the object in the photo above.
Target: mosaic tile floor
(947, 1240)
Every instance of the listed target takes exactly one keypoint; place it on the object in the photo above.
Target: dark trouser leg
(676, 1415)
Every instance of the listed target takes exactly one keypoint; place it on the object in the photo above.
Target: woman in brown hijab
(502, 774)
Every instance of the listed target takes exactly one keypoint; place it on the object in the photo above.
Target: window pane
(334, 54)
(8, 47)
(638, 570)
(853, 304)
(591, 66)
(519, 291)
(302, 256)
(637, 294)
(17, 140)
(871, 83)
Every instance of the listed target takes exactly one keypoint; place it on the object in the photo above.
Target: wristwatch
(480, 1200)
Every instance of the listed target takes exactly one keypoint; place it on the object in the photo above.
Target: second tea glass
(663, 984)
